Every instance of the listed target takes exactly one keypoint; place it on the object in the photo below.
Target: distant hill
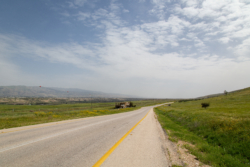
(36, 91)
(219, 94)
(211, 95)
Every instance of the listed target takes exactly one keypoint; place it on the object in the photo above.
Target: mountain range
(39, 91)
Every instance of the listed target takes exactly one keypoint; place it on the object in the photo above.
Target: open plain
(84, 141)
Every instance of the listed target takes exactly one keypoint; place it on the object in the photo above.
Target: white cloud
(79, 2)
(102, 18)
(124, 57)
(66, 14)
(243, 50)
(224, 39)
(158, 8)
(198, 42)
(82, 16)
(188, 34)
(7, 71)
(167, 32)
(125, 11)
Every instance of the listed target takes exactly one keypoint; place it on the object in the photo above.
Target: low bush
(40, 114)
(132, 104)
(205, 105)
(117, 105)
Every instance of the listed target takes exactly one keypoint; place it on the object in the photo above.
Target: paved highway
(83, 142)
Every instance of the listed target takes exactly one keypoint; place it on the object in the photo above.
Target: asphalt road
(83, 142)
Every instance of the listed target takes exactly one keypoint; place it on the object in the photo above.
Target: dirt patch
(181, 156)
(177, 154)
(188, 159)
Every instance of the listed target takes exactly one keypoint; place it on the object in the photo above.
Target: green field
(21, 115)
(220, 133)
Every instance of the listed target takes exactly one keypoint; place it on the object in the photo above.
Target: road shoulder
(143, 147)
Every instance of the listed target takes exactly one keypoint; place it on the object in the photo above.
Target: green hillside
(220, 133)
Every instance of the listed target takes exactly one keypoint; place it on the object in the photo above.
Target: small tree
(225, 92)
(132, 104)
(117, 105)
(205, 105)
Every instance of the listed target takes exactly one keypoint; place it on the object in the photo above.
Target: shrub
(132, 104)
(205, 105)
(49, 113)
(41, 114)
(56, 116)
(117, 105)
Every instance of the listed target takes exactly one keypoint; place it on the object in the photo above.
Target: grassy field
(21, 115)
(220, 133)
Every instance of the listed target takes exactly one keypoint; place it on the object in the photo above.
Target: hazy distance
(142, 48)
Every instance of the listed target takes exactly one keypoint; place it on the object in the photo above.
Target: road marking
(52, 123)
(106, 155)
(61, 133)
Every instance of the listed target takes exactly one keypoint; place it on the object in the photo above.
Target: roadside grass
(220, 133)
(23, 115)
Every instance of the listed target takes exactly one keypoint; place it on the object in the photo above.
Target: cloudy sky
(147, 48)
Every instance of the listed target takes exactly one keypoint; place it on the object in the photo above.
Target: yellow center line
(28, 127)
(106, 155)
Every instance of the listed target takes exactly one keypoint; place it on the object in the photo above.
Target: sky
(145, 48)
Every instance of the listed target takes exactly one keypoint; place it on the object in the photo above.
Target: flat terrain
(22, 115)
(83, 142)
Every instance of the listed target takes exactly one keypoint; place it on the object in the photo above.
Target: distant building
(125, 104)
(122, 105)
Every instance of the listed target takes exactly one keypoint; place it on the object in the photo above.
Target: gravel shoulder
(143, 147)
(148, 145)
